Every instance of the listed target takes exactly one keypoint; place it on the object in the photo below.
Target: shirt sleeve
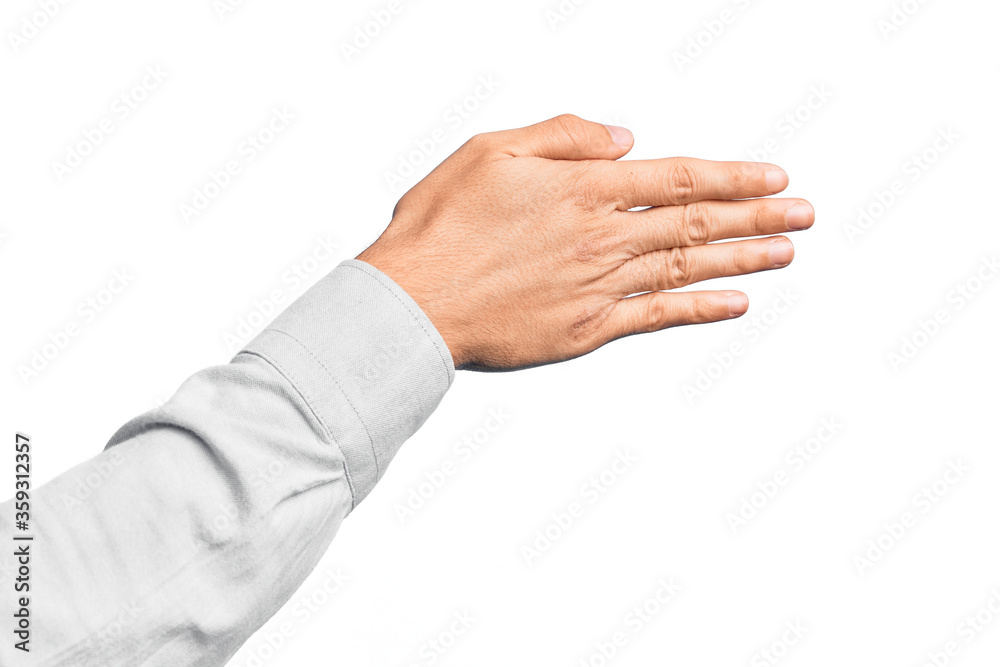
(201, 518)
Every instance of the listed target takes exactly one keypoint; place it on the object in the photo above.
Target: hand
(522, 249)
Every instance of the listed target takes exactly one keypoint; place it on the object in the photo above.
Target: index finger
(682, 180)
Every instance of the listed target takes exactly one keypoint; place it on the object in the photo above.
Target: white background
(858, 296)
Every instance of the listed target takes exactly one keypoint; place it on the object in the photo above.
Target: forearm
(525, 247)
(201, 518)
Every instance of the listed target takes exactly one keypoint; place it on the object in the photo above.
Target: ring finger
(679, 267)
(702, 222)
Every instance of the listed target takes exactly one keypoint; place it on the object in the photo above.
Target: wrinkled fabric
(201, 518)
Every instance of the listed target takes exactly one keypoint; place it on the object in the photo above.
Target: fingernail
(621, 136)
(738, 304)
(776, 180)
(800, 216)
(781, 252)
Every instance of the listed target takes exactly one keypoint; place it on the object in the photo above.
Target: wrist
(433, 300)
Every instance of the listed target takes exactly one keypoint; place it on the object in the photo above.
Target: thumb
(567, 137)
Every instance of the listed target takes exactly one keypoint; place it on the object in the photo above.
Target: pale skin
(522, 247)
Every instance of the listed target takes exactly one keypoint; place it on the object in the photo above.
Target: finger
(566, 137)
(702, 222)
(660, 310)
(674, 181)
(679, 267)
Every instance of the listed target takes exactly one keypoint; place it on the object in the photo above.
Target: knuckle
(567, 118)
(479, 143)
(574, 127)
(411, 201)
(699, 309)
(586, 249)
(583, 189)
(760, 216)
(655, 314)
(696, 224)
(626, 181)
(678, 268)
(595, 245)
(745, 258)
(681, 181)
(642, 274)
(742, 177)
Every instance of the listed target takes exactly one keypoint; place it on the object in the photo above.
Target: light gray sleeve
(201, 518)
